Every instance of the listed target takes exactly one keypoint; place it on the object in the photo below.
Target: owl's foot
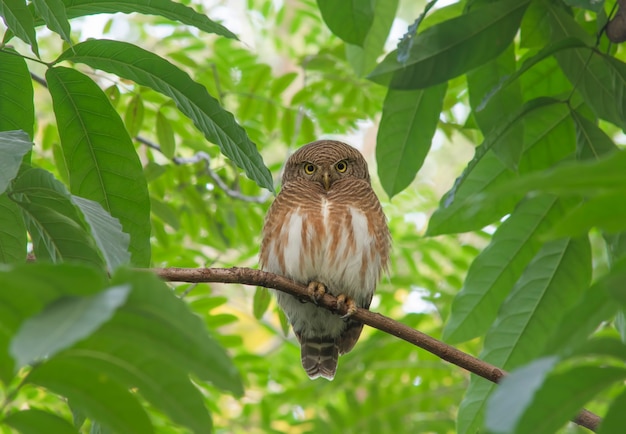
(345, 302)
(316, 290)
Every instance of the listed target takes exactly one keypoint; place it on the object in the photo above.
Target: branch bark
(248, 276)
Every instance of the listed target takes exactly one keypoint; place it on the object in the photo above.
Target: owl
(326, 229)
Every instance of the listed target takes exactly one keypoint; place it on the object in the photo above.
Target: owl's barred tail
(319, 357)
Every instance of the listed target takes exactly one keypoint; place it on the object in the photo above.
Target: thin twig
(203, 156)
(248, 276)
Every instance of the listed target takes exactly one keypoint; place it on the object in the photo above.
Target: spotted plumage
(326, 229)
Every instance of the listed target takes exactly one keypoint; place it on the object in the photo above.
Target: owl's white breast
(329, 245)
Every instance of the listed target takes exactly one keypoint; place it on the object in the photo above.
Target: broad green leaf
(100, 396)
(133, 117)
(20, 21)
(604, 211)
(13, 146)
(546, 52)
(120, 353)
(53, 13)
(102, 162)
(106, 231)
(586, 177)
(405, 134)
(481, 81)
(602, 346)
(522, 385)
(165, 320)
(363, 58)
(601, 79)
(591, 141)
(260, 302)
(496, 269)
(547, 131)
(148, 69)
(472, 407)
(614, 420)
(27, 288)
(12, 232)
(54, 223)
(171, 10)
(17, 110)
(592, 5)
(550, 284)
(165, 135)
(554, 402)
(594, 307)
(349, 20)
(63, 323)
(35, 421)
(452, 48)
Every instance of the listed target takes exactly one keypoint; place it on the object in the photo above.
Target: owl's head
(326, 162)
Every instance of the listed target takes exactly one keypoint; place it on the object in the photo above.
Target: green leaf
(54, 223)
(17, 110)
(592, 5)
(481, 80)
(121, 354)
(163, 8)
(26, 288)
(350, 20)
(496, 269)
(261, 301)
(504, 410)
(64, 323)
(165, 135)
(133, 117)
(549, 286)
(586, 178)
(106, 231)
(97, 394)
(544, 53)
(12, 232)
(35, 421)
(591, 141)
(554, 403)
(405, 134)
(452, 48)
(19, 20)
(53, 13)
(148, 69)
(594, 307)
(166, 320)
(604, 211)
(615, 418)
(13, 146)
(483, 193)
(101, 159)
(601, 79)
(363, 58)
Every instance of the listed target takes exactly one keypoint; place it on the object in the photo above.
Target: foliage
(157, 143)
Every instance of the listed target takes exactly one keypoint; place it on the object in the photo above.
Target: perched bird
(326, 229)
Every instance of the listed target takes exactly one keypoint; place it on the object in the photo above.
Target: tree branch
(248, 276)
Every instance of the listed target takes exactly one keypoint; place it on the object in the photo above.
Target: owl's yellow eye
(309, 168)
(341, 167)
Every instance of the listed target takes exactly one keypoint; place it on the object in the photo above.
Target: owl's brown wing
(319, 356)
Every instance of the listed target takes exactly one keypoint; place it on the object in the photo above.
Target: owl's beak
(326, 180)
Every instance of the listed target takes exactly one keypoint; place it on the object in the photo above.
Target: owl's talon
(345, 302)
(316, 291)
